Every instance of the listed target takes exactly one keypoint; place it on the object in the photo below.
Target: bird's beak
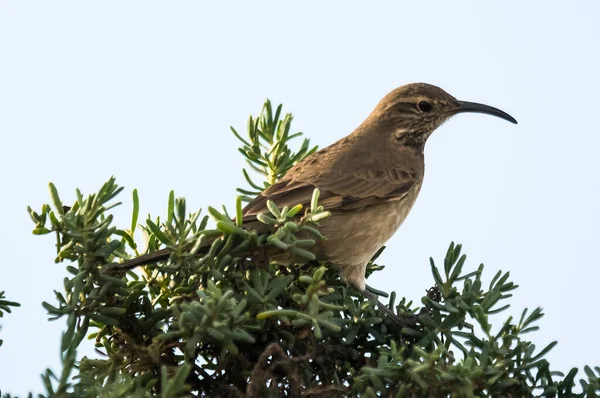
(464, 106)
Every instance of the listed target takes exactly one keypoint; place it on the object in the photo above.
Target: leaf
(314, 201)
(273, 209)
(436, 274)
(458, 268)
(215, 214)
(305, 254)
(56, 199)
(231, 229)
(238, 136)
(158, 232)
(249, 180)
(544, 351)
(136, 211)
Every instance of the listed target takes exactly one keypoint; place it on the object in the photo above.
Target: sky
(146, 91)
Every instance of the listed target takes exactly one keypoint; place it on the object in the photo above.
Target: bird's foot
(401, 321)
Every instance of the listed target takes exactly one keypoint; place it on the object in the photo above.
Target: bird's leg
(400, 321)
(387, 311)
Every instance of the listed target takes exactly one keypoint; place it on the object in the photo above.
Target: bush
(219, 319)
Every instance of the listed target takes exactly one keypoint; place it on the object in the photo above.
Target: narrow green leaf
(216, 215)
(314, 201)
(238, 136)
(458, 268)
(411, 332)
(113, 312)
(56, 199)
(313, 231)
(171, 207)
(436, 274)
(238, 211)
(294, 210)
(272, 240)
(273, 209)
(67, 337)
(231, 229)
(278, 313)
(544, 351)
(263, 218)
(158, 232)
(136, 211)
(316, 217)
(305, 254)
(102, 319)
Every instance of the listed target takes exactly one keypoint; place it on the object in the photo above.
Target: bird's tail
(154, 257)
(150, 258)
(163, 254)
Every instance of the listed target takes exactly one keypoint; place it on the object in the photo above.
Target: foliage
(266, 149)
(220, 318)
(5, 307)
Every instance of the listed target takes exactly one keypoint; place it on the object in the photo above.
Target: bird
(368, 180)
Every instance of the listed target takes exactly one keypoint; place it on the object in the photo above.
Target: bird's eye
(424, 106)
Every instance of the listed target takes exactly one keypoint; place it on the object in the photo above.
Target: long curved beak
(474, 107)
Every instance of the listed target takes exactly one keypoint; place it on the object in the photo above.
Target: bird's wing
(346, 192)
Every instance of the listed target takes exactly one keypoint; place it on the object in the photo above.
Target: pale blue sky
(146, 91)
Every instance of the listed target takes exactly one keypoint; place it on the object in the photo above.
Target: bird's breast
(354, 236)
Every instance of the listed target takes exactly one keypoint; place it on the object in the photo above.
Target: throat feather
(411, 139)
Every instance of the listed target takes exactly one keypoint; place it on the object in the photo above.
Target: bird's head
(415, 110)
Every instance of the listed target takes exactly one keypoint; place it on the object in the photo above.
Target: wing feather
(348, 192)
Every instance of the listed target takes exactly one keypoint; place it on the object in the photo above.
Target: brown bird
(369, 180)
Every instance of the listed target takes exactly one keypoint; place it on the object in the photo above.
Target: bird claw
(399, 321)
